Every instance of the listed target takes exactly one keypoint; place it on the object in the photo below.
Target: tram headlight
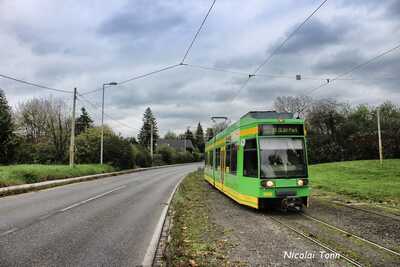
(302, 182)
(267, 183)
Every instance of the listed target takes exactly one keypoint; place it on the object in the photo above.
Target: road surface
(105, 222)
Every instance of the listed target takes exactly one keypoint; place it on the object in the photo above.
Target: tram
(261, 161)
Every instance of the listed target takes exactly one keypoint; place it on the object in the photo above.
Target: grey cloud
(141, 19)
(316, 34)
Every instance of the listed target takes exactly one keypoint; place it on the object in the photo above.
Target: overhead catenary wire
(361, 65)
(167, 67)
(82, 98)
(288, 38)
(34, 84)
(197, 33)
(137, 77)
(276, 50)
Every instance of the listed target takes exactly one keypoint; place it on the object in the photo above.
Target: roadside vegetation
(195, 239)
(25, 174)
(35, 136)
(363, 180)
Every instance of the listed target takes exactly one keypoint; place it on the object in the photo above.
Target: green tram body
(260, 161)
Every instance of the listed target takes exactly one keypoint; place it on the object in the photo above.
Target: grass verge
(26, 174)
(362, 180)
(195, 239)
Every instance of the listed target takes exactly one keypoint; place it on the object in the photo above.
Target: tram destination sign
(281, 129)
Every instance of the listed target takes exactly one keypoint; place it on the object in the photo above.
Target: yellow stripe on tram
(238, 197)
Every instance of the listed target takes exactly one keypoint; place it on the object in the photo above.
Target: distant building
(177, 144)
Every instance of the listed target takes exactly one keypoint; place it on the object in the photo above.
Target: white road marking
(9, 231)
(152, 248)
(92, 198)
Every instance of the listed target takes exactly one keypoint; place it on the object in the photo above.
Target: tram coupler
(291, 204)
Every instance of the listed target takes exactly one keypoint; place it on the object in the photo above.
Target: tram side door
(222, 164)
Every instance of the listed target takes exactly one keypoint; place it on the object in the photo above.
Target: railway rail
(316, 241)
(393, 217)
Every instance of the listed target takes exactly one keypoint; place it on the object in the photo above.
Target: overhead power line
(81, 97)
(288, 38)
(136, 77)
(276, 50)
(34, 84)
(198, 31)
(150, 73)
(361, 65)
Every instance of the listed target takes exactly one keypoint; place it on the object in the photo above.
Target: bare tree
(46, 121)
(298, 105)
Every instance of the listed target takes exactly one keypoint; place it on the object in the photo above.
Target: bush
(168, 154)
(157, 160)
(117, 150)
(141, 156)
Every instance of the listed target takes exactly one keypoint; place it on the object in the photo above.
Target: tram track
(393, 217)
(290, 222)
(316, 241)
(349, 234)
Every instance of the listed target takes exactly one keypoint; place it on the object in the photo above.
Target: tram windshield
(282, 157)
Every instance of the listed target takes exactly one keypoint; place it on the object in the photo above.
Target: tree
(84, 122)
(199, 135)
(170, 135)
(46, 122)
(145, 131)
(298, 105)
(209, 134)
(6, 131)
(117, 150)
(189, 136)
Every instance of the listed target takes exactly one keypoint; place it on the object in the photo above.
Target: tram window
(211, 162)
(250, 161)
(233, 166)
(228, 156)
(217, 158)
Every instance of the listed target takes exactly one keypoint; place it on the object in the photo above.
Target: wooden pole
(379, 137)
(72, 144)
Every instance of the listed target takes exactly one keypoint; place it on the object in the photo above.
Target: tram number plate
(285, 193)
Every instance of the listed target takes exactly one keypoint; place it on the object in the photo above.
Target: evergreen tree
(84, 122)
(189, 136)
(200, 138)
(7, 137)
(145, 131)
(209, 133)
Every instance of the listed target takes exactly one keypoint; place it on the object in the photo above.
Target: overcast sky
(67, 44)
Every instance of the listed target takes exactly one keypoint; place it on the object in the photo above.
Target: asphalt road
(105, 222)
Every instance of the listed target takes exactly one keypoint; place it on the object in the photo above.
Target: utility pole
(72, 144)
(102, 122)
(102, 128)
(379, 136)
(151, 141)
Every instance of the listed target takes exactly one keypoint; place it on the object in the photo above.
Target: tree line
(338, 131)
(38, 131)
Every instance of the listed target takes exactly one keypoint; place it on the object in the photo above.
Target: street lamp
(102, 121)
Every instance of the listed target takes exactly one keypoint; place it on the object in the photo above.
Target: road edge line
(25, 188)
(152, 248)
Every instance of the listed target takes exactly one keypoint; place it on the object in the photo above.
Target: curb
(18, 189)
(152, 249)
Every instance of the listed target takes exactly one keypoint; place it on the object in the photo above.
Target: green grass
(195, 239)
(363, 180)
(25, 174)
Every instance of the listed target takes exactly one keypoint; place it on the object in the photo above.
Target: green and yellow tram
(261, 161)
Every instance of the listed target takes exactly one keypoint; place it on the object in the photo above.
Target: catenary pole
(102, 128)
(379, 136)
(151, 141)
(72, 144)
